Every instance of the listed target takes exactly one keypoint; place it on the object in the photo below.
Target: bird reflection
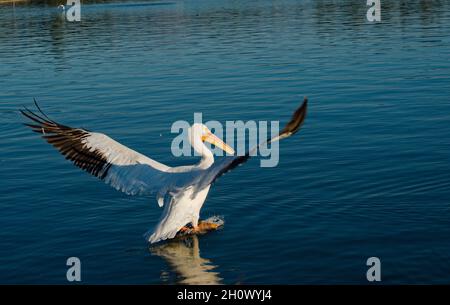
(183, 256)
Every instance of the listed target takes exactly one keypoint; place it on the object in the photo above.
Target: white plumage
(181, 190)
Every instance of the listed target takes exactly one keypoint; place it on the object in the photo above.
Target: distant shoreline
(11, 1)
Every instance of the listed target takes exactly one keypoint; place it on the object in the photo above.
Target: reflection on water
(183, 256)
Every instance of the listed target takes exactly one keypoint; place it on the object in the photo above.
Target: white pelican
(181, 190)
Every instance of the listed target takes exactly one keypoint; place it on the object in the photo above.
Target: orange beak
(211, 138)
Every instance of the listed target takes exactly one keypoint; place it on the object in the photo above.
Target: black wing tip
(303, 107)
(69, 142)
(37, 116)
(292, 127)
(297, 120)
(40, 110)
(25, 108)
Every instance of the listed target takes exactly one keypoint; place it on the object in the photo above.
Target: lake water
(368, 175)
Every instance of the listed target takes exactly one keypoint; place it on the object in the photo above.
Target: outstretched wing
(96, 153)
(229, 163)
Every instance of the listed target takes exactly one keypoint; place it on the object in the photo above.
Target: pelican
(180, 190)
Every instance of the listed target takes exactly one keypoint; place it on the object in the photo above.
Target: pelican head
(199, 133)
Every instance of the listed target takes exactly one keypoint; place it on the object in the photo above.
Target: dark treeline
(56, 2)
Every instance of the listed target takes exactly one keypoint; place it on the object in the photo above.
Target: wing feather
(229, 163)
(96, 153)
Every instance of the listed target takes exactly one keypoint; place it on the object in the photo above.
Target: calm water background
(369, 174)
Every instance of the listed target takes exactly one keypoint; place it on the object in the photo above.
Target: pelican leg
(202, 227)
(205, 226)
(185, 229)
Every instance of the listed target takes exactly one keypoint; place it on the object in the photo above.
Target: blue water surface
(368, 175)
